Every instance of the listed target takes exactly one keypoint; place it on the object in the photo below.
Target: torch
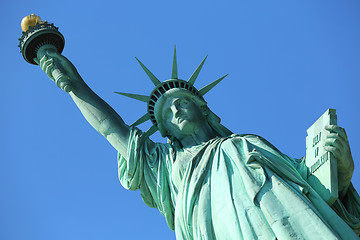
(37, 38)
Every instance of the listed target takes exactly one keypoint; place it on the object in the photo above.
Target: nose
(175, 110)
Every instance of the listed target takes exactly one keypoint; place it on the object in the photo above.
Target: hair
(212, 119)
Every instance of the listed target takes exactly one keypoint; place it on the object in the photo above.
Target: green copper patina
(207, 182)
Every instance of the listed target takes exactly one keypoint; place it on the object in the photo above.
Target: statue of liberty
(208, 182)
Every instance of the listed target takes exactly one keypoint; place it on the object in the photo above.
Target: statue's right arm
(96, 111)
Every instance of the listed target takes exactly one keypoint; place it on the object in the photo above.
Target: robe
(235, 187)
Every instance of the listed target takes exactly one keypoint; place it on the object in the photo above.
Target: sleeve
(148, 168)
(284, 166)
(348, 208)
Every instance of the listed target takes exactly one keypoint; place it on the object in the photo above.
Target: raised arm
(95, 110)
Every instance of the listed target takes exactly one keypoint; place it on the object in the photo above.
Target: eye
(184, 103)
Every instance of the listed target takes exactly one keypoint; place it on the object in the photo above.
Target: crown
(162, 87)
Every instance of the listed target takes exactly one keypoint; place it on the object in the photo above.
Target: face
(182, 117)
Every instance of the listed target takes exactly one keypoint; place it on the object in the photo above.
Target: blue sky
(288, 61)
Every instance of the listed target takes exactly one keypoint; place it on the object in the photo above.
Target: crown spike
(141, 120)
(196, 73)
(151, 131)
(174, 74)
(150, 75)
(142, 98)
(208, 87)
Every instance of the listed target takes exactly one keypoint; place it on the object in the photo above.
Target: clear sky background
(288, 61)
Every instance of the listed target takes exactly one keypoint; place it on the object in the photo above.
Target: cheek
(196, 115)
(171, 126)
(195, 111)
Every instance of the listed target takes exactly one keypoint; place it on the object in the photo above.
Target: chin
(186, 127)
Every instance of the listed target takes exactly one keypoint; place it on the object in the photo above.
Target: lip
(181, 117)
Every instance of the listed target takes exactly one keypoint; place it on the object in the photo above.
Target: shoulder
(141, 142)
(253, 140)
(245, 137)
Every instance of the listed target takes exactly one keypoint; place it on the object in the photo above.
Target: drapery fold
(229, 189)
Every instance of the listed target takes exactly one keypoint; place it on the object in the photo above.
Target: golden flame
(30, 20)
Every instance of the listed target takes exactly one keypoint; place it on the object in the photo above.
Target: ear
(205, 110)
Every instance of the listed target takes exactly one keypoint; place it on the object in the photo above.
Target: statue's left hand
(337, 143)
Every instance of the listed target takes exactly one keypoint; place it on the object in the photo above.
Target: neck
(200, 135)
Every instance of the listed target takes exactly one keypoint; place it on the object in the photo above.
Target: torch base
(37, 36)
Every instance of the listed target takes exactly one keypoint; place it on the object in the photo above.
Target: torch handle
(60, 77)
